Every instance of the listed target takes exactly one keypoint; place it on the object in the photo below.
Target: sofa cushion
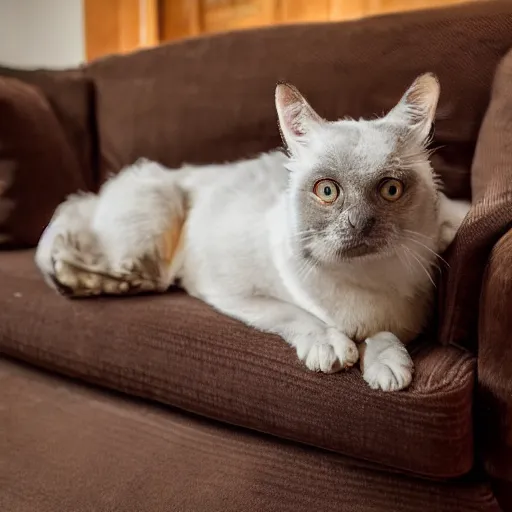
(210, 99)
(37, 165)
(71, 447)
(177, 350)
(70, 94)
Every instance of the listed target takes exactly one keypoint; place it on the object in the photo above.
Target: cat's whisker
(430, 250)
(303, 235)
(309, 272)
(427, 262)
(407, 253)
(404, 261)
(306, 269)
(415, 256)
(305, 232)
(417, 233)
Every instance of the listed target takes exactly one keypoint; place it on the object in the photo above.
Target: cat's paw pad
(336, 352)
(73, 281)
(387, 364)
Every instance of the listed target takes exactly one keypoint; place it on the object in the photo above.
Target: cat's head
(360, 188)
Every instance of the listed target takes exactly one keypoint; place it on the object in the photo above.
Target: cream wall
(41, 33)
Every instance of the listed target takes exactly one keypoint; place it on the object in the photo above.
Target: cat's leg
(321, 347)
(385, 362)
(122, 241)
(139, 222)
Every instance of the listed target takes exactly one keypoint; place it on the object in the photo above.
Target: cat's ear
(297, 119)
(417, 108)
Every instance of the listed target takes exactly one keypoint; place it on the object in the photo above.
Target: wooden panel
(149, 22)
(347, 10)
(128, 29)
(123, 25)
(117, 26)
(101, 28)
(386, 6)
(304, 10)
(221, 15)
(179, 18)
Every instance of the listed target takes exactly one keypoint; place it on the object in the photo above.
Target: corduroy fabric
(71, 96)
(495, 362)
(489, 219)
(177, 350)
(72, 448)
(38, 167)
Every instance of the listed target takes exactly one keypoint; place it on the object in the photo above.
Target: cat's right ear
(417, 108)
(297, 119)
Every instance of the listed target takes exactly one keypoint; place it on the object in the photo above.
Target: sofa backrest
(211, 99)
(70, 94)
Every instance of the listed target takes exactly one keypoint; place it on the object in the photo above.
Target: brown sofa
(173, 406)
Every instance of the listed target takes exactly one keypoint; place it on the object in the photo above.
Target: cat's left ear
(417, 108)
(297, 119)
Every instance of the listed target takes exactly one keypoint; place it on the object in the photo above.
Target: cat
(331, 245)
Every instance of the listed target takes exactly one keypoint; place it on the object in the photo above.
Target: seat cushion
(177, 350)
(38, 167)
(69, 447)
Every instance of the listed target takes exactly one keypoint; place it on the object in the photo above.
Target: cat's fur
(253, 240)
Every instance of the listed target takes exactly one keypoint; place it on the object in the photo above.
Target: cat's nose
(361, 223)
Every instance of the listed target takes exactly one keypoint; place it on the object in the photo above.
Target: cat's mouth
(359, 249)
(348, 250)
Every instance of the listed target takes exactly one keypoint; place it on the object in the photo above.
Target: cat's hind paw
(76, 268)
(386, 364)
(73, 281)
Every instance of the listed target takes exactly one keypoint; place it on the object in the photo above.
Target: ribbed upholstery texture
(177, 350)
(70, 447)
(71, 96)
(38, 167)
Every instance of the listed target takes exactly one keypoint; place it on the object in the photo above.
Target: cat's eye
(326, 190)
(391, 189)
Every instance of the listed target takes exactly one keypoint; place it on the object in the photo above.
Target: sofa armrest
(494, 408)
(489, 219)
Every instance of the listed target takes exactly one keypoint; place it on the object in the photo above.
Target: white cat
(332, 247)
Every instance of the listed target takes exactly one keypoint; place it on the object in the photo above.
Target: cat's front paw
(331, 353)
(386, 363)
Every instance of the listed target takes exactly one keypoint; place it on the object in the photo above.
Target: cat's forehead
(361, 147)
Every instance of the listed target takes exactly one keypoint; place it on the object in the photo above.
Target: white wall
(41, 33)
